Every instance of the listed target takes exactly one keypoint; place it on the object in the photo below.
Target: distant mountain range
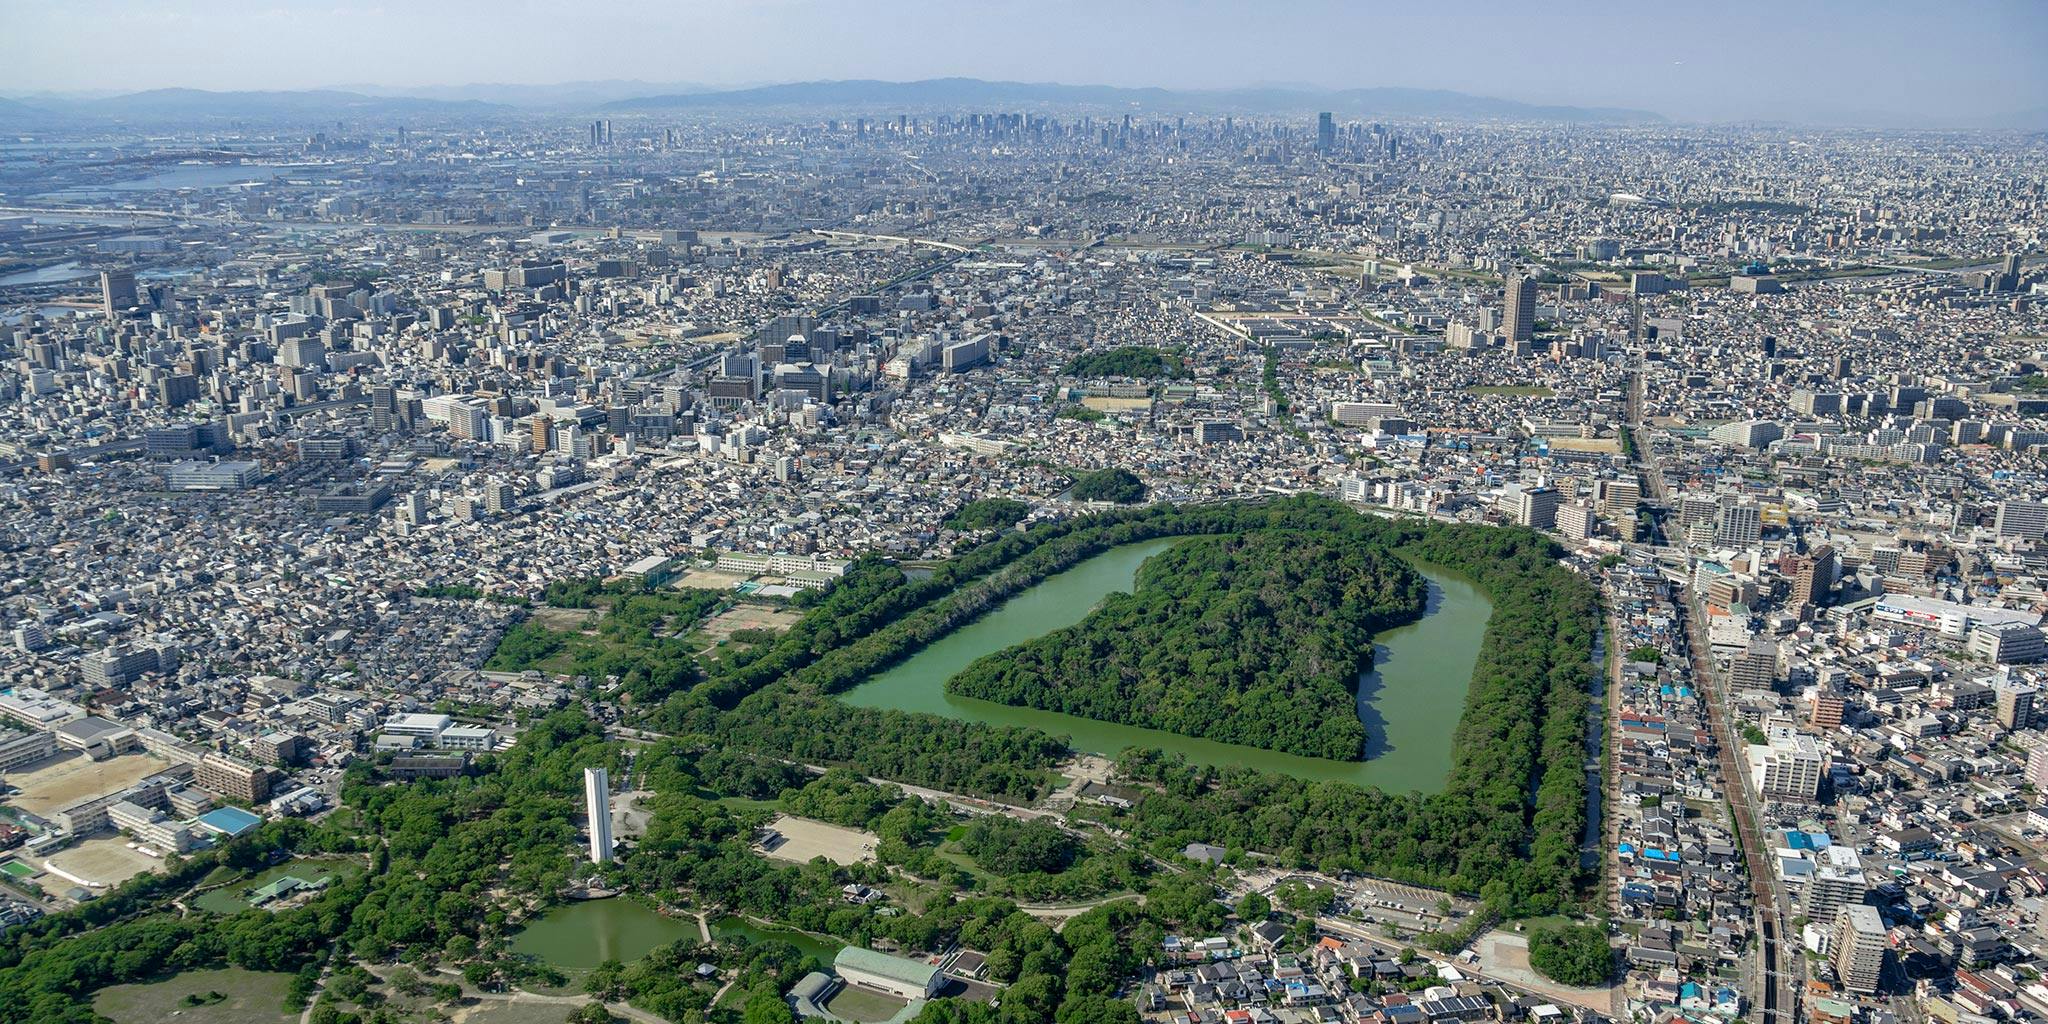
(558, 96)
(187, 104)
(869, 96)
(622, 96)
(975, 92)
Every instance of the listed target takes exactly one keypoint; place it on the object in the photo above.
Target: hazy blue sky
(1927, 60)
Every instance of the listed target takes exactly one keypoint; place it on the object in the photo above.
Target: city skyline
(1493, 550)
(1824, 63)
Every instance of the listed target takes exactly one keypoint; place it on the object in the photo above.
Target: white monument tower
(597, 799)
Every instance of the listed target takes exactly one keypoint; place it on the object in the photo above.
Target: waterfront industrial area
(370, 480)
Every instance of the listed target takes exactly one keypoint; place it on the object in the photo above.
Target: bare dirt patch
(1505, 955)
(106, 861)
(749, 616)
(799, 839)
(65, 780)
(707, 579)
(566, 618)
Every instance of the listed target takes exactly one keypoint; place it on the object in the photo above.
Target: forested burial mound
(1254, 638)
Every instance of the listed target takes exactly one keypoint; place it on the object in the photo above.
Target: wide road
(1778, 950)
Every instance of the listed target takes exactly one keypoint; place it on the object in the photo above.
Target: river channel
(1410, 701)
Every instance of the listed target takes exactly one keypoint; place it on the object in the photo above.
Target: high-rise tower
(597, 800)
(1520, 315)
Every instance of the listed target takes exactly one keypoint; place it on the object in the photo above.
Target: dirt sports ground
(68, 778)
(749, 616)
(106, 861)
(803, 839)
(707, 579)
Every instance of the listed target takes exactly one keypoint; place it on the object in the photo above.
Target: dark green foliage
(1120, 486)
(523, 646)
(1269, 379)
(765, 1007)
(581, 592)
(1254, 907)
(1572, 954)
(841, 797)
(1455, 939)
(1304, 899)
(1255, 639)
(1522, 731)
(1072, 977)
(590, 1013)
(1128, 361)
(1186, 901)
(639, 642)
(1096, 1010)
(662, 982)
(733, 773)
(988, 514)
(447, 844)
(1012, 846)
(1080, 412)
(937, 752)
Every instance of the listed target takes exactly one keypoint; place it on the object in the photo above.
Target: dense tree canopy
(1012, 846)
(1572, 954)
(639, 640)
(1139, 361)
(439, 850)
(1114, 485)
(1522, 731)
(456, 866)
(1252, 638)
(988, 514)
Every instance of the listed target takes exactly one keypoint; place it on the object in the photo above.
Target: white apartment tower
(1860, 946)
(597, 801)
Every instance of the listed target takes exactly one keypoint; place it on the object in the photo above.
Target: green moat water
(1410, 701)
(579, 936)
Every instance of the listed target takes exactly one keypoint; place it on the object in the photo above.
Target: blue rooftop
(232, 821)
(1798, 840)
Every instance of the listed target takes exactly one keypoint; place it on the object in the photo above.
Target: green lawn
(949, 852)
(491, 1011)
(228, 898)
(740, 803)
(859, 1004)
(253, 997)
